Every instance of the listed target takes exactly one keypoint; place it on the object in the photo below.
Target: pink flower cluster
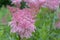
(23, 22)
(23, 19)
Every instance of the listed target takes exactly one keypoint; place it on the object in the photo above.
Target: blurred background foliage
(5, 3)
(45, 24)
(5, 33)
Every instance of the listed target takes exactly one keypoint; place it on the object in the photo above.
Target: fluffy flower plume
(23, 19)
(22, 22)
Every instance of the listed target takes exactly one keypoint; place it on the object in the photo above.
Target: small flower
(57, 24)
(16, 1)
